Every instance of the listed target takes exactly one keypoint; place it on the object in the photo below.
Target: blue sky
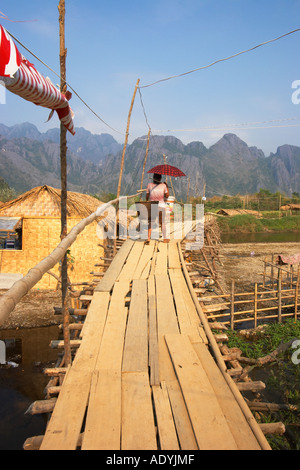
(113, 43)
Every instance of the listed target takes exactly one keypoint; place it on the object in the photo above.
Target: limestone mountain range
(29, 158)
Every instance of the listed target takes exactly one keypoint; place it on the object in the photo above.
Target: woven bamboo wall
(41, 235)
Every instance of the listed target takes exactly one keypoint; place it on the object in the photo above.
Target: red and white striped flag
(21, 77)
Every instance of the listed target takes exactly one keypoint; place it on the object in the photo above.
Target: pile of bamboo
(203, 264)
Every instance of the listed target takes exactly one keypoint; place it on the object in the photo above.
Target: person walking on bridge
(158, 191)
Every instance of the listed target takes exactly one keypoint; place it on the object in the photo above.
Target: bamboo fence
(278, 300)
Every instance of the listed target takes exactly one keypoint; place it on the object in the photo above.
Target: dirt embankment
(36, 309)
(244, 261)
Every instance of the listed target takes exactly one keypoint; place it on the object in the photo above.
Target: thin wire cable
(3, 16)
(246, 125)
(71, 88)
(143, 107)
(221, 60)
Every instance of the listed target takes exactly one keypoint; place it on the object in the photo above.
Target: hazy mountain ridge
(30, 158)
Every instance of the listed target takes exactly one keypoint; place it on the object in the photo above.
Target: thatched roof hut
(233, 212)
(36, 218)
(45, 201)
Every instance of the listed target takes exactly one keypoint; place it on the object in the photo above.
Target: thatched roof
(44, 201)
(232, 212)
(293, 207)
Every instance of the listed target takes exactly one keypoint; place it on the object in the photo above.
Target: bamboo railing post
(296, 294)
(272, 272)
(279, 295)
(255, 305)
(232, 305)
(123, 153)
(264, 275)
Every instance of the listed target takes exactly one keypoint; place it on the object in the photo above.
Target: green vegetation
(267, 340)
(263, 200)
(249, 223)
(6, 193)
(281, 376)
(267, 204)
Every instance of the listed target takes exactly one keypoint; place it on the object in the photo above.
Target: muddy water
(20, 386)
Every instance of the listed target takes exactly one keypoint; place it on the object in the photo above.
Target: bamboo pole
(232, 305)
(272, 271)
(296, 294)
(255, 305)
(63, 163)
(264, 274)
(279, 296)
(123, 156)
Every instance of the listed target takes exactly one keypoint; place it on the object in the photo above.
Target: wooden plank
(64, 427)
(182, 421)
(184, 320)
(153, 261)
(153, 340)
(135, 357)
(166, 371)
(138, 428)
(189, 321)
(161, 267)
(215, 307)
(129, 267)
(106, 284)
(97, 311)
(144, 261)
(103, 422)
(146, 270)
(105, 396)
(85, 298)
(111, 350)
(208, 421)
(166, 313)
(236, 420)
(66, 420)
(165, 424)
(173, 258)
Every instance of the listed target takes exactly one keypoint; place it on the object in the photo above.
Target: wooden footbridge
(148, 374)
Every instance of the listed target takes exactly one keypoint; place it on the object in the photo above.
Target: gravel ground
(34, 310)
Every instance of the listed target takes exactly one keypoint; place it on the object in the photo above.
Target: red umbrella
(166, 170)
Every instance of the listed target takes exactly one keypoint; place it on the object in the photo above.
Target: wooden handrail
(21, 287)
